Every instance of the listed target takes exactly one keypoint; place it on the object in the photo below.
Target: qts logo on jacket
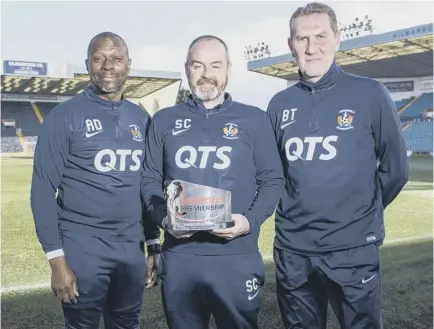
(311, 148)
(203, 156)
(108, 160)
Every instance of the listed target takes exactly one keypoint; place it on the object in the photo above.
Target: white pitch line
(408, 239)
(25, 287)
(266, 258)
(411, 210)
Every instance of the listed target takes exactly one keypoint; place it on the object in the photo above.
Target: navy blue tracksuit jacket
(231, 147)
(330, 138)
(92, 153)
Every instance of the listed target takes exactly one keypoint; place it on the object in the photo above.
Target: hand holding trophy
(192, 208)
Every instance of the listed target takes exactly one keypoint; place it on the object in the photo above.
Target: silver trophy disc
(194, 207)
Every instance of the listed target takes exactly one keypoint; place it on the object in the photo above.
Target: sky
(158, 33)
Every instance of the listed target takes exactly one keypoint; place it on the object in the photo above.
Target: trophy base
(198, 227)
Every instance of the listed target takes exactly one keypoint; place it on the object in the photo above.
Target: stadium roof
(139, 83)
(397, 54)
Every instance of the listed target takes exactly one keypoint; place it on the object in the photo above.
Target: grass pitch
(407, 267)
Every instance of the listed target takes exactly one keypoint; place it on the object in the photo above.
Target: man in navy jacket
(90, 151)
(215, 141)
(344, 160)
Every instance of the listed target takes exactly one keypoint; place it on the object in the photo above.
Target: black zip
(313, 120)
(117, 125)
(206, 134)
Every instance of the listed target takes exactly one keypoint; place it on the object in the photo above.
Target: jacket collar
(90, 93)
(196, 105)
(326, 81)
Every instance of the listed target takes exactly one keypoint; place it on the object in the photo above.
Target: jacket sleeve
(272, 116)
(150, 229)
(51, 153)
(153, 184)
(269, 174)
(393, 168)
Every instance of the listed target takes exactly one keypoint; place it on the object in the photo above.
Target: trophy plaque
(194, 207)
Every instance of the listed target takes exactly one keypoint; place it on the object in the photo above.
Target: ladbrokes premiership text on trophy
(194, 207)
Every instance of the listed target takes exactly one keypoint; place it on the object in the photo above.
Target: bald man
(90, 149)
(215, 141)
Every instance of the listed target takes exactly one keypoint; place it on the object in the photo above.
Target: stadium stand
(405, 55)
(26, 100)
(20, 132)
(417, 107)
(400, 105)
(11, 145)
(419, 136)
(23, 115)
(45, 108)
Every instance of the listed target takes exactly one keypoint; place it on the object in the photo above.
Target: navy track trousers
(111, 279)
(350, 280)
(228, 287)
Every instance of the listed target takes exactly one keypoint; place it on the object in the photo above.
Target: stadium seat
(11, 145)
(419, 136)
(401, 103)
(26, 123)
(424, 102)
(23, 114)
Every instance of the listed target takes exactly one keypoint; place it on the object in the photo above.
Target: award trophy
(194, 207)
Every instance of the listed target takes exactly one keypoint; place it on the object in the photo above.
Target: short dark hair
(208, 37)
(314, 8)
(108, 35)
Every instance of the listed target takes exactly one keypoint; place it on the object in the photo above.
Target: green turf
(408, 282)
(407, 268)
(22, 258)
(23, 263)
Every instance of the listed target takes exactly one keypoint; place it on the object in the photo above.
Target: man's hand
(152, 269)
(63, 281)
(242, 226)
(177, 234)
